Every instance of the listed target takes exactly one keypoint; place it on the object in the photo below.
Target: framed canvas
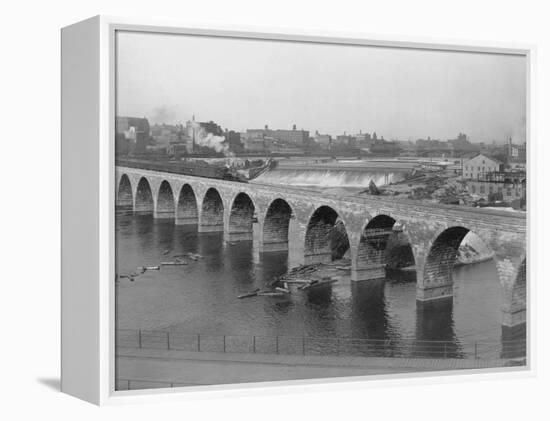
(245, 208)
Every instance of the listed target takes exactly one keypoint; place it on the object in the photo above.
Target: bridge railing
(304, 345)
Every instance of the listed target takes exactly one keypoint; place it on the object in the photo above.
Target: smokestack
(266, 127)
(294, 127)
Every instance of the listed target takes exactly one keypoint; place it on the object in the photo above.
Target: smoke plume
(209, 140)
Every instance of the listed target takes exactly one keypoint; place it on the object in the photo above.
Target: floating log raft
(303, 269)
(175, 263)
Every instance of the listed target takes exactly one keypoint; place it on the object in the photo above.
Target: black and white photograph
(296, 210)
(284, 209)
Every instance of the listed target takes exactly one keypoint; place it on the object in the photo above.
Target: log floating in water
(249, 294)
(318, 283)
(271, 294)
(297, 281)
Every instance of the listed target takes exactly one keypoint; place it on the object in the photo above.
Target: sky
(399, 93)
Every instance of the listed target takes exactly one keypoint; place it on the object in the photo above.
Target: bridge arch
(144, 197)
(435, 276)
(212, 209)
(380, 247)
(241, 218)
(276, 225)
(166, 207)
(124, 196)
(437, 273)
(187, 212)
(326, 237)
(515, 307)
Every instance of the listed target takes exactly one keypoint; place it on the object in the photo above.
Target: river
(201, 298)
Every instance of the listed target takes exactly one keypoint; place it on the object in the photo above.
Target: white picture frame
(88, 194)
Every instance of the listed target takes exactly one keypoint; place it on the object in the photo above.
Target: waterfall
(329, 178)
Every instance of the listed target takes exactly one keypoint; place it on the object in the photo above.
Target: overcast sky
(399, 93)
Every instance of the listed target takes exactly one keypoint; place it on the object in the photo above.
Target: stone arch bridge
(375, 227)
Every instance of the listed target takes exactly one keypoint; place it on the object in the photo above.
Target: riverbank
(150, 368)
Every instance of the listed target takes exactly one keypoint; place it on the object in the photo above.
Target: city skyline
(402, 94)
(312, 132)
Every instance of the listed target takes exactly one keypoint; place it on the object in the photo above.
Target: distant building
(462, 144)
(254, 144)
(283, 148)
(429, 145)
(233, 138)
(296, 137)
(506, 186)
(381, 146)
(163, 134)
(194, 129)
(508, 193)
(516, 153)
(211, 127)
(324, 140)
(178, 148)
(478, 167)
(132, 134)
(363, 140)
(344, 140)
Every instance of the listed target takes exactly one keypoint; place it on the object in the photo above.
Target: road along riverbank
(151, 368)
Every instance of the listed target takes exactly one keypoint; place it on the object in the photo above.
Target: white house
(475, 168)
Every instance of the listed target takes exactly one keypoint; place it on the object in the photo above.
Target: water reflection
(434, 321)
(369, 316)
